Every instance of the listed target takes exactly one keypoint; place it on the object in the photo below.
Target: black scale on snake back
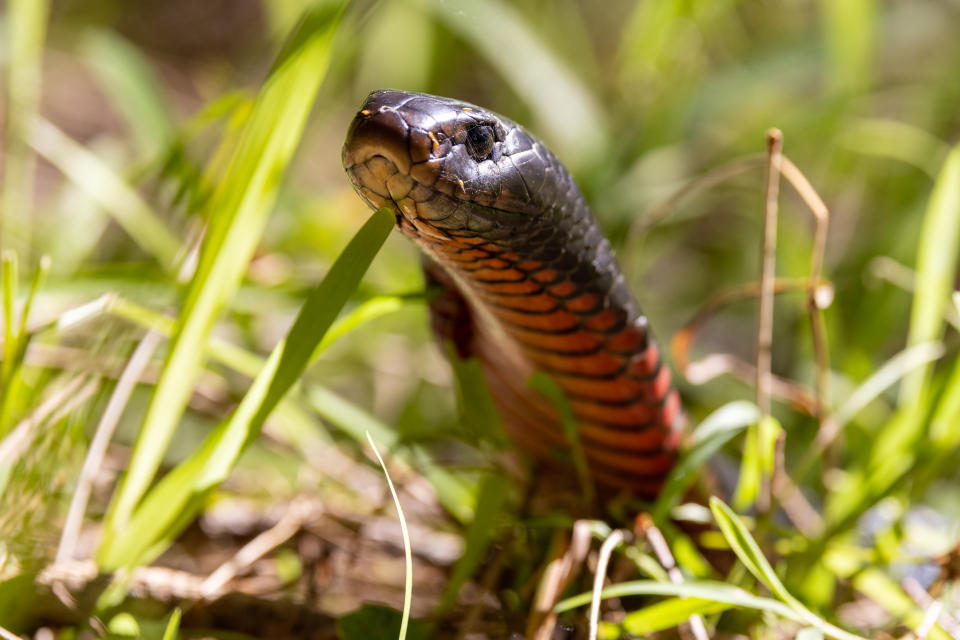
(529, 281)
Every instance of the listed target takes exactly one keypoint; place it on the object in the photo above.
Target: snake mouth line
(382, 181)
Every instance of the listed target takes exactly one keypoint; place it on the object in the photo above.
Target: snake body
(529, 281)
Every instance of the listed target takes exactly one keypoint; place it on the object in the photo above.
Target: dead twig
(567, 558)
(300, 512)
(9, 635)
(643, 526)
(817, 298)
(819, 295)
(126, 383)
(768, 269)
(924, 600)
(603, 559)
(709, 367)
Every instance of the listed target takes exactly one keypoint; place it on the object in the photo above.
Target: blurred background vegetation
(172, 168)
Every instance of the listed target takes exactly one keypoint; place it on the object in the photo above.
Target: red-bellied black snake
(530, 282)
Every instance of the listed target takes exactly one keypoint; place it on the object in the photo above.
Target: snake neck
(551, 298)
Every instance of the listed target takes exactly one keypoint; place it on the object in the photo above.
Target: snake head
(448, 165)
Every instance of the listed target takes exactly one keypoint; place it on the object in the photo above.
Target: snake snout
(376, 155)
(445, 163)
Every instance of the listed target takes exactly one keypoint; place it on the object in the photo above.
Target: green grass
(238, 211)
(175, 501)
(191, 186)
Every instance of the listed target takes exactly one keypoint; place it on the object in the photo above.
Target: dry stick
(714, 365)
(288, 526)
(555, 578)
(818, 291)
(126, 383)
(157, 583)
(643, 525)
(817, 300)
(768, 268)
(929, 619)
(925, 601)
(9, 635)
(603, 559)
(819, 296)
(768, 271)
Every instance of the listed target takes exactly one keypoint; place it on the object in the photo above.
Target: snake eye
(480, 142)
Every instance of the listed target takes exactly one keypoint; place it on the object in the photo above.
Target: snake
(527, 282)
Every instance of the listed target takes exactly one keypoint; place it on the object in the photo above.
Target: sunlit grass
(238, 211)
(208, 207)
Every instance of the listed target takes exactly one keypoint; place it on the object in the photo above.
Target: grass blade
(456, 495)
(407, 553)
(885, 377)
(177, 498)
(8, 273)
(173, 626)
(127, 77)
(849, 33)
(26, 29)
(108, 190)
(546, 385)
(669, 614)
(491, 496)
(749, 553)
(899, 140)
(476, 409)
(715, 431)
(16, 338)
(756, 466)
(238, 213)
(894, 450)
(943, 425)
(936, 268)
(704, 590)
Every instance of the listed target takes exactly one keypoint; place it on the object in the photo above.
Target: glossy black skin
(412, 152)
(529, 283)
